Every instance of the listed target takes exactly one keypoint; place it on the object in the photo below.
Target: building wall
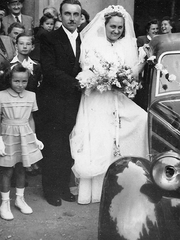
(34, 8)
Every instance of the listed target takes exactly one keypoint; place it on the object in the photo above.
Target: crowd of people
(82, 132)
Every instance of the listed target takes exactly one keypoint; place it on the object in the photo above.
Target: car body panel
(134, 208)
(141, 198)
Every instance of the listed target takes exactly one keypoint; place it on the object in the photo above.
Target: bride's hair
(108, 16)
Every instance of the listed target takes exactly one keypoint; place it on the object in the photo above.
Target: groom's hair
(69, 2)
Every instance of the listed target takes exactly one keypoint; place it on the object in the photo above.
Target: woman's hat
(14, 1)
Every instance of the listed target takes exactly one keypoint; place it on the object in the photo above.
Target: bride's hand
(148, 50)
(135, 72)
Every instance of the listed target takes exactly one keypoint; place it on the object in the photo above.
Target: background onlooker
(7, 51)
(1, 28)
(85, 19)
(14, 30)
(152, 29)
(167, 25)
(49, 9)
(24, 46)
(15, 15)
(46, 24)
(57, 24)
(2, 11)
(52, 10)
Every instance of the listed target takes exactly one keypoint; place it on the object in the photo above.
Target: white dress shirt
(72, 38)
(26, 63)
(19, 17)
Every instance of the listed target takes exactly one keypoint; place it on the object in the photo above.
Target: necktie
(17, 19)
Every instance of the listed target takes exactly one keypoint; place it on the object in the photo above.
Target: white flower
(159, 66)
(172, 78)
(115, 8)
(165, 71)
(105, 76)
(152, 58)
(28, 65)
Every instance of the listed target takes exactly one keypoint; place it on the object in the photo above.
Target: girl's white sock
(20, 192)
(5, 195)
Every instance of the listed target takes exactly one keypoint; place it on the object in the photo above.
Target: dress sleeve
(34, 106)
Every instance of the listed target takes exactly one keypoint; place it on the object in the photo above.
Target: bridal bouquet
(105, 76)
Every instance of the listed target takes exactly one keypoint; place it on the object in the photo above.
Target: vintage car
(141, 198)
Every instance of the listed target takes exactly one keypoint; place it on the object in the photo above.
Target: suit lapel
(10, 19)
(23, 19)
(63, 38)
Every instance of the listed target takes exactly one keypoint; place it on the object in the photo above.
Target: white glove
(2, 147)
(39, 143)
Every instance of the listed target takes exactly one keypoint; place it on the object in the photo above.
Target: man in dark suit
(58, 102)
(15, 15)
(152, 29)
(7, 52)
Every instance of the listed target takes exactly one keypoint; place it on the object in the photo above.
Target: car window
(170, 62)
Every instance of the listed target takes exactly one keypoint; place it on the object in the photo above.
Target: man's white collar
(69, 34)
(19, 16)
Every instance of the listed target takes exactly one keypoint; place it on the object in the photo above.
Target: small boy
(24, 46)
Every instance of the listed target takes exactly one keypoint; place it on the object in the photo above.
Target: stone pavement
(70, 221)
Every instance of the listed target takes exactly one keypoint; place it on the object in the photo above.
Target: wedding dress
(109, 125)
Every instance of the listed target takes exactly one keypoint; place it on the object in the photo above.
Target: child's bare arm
(31, 122)
(2, 146)
(32, 125)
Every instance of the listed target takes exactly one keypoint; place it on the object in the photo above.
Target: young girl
(46, 24)
(24, 46)
(19, 147)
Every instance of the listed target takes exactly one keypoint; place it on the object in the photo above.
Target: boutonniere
(28, 65)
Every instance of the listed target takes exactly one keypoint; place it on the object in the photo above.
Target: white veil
(96, 29)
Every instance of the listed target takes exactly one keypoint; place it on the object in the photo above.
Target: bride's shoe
(84, 193)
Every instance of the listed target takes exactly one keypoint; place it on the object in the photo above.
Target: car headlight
(165, 171)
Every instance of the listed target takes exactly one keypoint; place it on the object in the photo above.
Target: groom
(58, 101)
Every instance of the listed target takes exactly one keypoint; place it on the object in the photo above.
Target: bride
(109, 124)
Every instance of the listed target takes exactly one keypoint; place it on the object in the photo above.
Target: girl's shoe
(5, 210)
(22, 205)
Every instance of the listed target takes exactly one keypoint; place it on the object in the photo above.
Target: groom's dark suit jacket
(58, 105)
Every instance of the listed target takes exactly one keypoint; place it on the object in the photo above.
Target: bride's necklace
(112, 43)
